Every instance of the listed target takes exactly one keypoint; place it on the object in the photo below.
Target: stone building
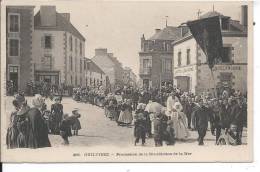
(110, 65)
(58, 49)
(156, 54)
(191, 72)
(19, 32)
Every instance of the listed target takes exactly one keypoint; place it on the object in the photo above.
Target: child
(65, 128)
(76, 123)
(140, 130)
(170, 133)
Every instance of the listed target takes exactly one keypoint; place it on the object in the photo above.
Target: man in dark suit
(202, 117)
(237, 117)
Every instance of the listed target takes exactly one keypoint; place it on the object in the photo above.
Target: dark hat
(19, 98)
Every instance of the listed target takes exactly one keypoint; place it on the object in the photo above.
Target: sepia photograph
(126, 81)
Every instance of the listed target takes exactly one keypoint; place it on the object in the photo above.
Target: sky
(118, 26)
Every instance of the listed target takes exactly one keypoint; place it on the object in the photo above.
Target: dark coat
(38, 131)
(201, 115)
(158, 128)
(225, 116)
(237, 115)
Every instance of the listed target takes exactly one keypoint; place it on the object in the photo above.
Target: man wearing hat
(202, 117)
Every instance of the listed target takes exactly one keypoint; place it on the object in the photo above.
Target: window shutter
(52, 41)
(42, 41)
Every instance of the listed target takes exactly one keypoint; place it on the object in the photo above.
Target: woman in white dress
(179, 123)
(172, 99)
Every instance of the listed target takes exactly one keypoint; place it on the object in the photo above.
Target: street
(97, 130)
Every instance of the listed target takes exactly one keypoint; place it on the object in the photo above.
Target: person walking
(140, 130)
(202, 117)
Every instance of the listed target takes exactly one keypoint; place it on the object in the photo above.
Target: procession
(165, 119)
(185, 85)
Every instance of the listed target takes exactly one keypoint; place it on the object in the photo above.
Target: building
(156, 56)
(129, 77)
(191, 72)
(95, 77)
(110, 65)
(19, 31)
(58, 49)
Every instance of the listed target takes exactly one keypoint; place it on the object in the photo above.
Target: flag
(207, 34)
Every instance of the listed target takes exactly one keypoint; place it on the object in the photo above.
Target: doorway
(13, 76)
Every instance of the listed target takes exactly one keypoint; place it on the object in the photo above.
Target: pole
(215, 90)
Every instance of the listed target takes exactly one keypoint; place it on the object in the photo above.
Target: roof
(94, 67)
(62, 24)
(168, 33)
(213, 14)
(236, 29)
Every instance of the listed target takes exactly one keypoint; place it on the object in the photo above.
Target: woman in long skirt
(12, 130)
(126, 116)
(180, 123)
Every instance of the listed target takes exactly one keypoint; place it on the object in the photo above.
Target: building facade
(129, 77)
(19, 31)
(58, 49)
(95, 77)
(191, 71)
(155, 57)
(111, 66)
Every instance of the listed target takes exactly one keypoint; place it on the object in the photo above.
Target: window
(14, 22)
(71, 80)
(188, 57)
(76, 45)
(80, 66)
(226, 55)
(179, 58)
(166, 65)
(71, 43)
(80, 48)
(13, 69)
(147, 63)
(47, 42)
(71, 64)
(225, 24)
(14, 47)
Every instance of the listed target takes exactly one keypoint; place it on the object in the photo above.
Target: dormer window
(225, 23)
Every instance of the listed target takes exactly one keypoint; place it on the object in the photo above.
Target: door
(13, 76)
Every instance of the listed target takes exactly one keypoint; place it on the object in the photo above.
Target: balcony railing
(146, 71)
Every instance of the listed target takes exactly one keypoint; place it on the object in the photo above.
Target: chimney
(66, 16)
(100, 51)
(244, 15)
(48, 15)
(157, 30)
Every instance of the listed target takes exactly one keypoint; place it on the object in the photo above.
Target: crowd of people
(30, 126)
(169, 114)
(165, 115)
